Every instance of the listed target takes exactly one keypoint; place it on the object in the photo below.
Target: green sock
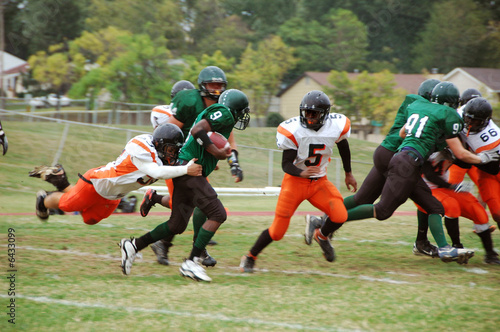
(161, 231)
(201, 242)
(436, 227)
(349, 202)
(199, 219)
(363, 211)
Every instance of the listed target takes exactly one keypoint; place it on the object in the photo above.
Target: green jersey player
(427, 127)
(190, 192)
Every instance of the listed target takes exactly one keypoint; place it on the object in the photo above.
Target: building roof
(408, 82)
(12, 64)
(487, 76)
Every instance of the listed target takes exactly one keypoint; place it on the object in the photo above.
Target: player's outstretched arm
(166, 172)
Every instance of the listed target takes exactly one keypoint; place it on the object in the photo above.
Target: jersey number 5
(313, 153)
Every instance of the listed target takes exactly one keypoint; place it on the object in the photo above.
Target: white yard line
(304, 272)
(205, 316)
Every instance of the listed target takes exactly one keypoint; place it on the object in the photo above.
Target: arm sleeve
(492, 168)
(287, 163)
(159, 172)
(345, 154)
(434, 177)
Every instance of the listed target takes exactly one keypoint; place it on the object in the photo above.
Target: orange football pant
(84, 199)
(294, 190)
(460, 205)
(489, 188)
(457, 174)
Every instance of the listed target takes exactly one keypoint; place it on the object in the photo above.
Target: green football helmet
(212, 74)
(425, 88)
(237, 102)
(446, 93)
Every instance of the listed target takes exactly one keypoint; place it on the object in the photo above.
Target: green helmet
(237, 102)
(446, 93)
(425, 88)
(212, 74)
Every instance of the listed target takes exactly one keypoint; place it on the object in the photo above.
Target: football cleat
(424, 247)
(206, 259)
(450, 254)
(192, 269)
(55, 175)
(160, 248)
(325, 245)
(129, 252)
(492, 258)
(41, 211)
(147, 203)
(246, 264)
(312, 222)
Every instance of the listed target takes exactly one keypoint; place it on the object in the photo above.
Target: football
(219, 140)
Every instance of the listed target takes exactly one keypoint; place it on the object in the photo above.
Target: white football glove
(488, 156)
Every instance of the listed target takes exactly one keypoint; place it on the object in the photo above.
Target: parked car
(38, 102)
(63, 101)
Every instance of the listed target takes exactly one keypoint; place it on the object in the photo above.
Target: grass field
(67, 275)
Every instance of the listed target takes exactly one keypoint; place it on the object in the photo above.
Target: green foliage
(274, 119)
(44, 23)
(139, 73)
(338, 41)
(161, 20)
(450, 41)
(261, 71)
(370, 96)
(231, 37)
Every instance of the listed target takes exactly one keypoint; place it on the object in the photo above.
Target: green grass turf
(67, 274)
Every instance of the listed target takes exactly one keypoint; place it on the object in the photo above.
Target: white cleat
(192, 269)
(129, 253)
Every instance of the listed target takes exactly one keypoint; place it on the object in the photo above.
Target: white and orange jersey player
(307, 142)
(97, 193)
(314, 148)
(482, 134)
(160, 114)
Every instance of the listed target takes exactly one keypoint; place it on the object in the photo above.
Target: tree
(450, 41)
(159, 19)
(370, 96)
(56, 69)
(44, 23)
(338, 42)
(261, 71)
(141, 74)
(264, 17)
(100, 47)
(230, 37)
(489, 49)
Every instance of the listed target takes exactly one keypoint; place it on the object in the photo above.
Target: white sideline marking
(306, 272)
(206, 316)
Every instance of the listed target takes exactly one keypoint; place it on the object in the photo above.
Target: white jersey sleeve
(160, 115)
(314, 148)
